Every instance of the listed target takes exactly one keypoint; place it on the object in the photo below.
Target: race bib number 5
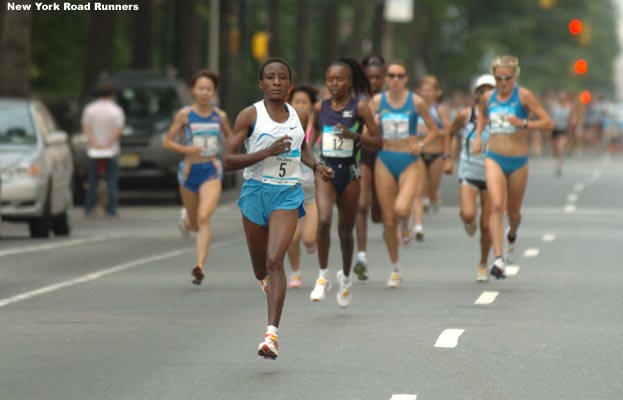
(334, 144)
(283, 169)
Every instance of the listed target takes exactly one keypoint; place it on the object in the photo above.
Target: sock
(361, 256)
(499, 261)
(272, 330)
(345, 279)
(324, 273)
(418, 228)
(396, 266)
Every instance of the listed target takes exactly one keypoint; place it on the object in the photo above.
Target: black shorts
(430, 157)
(558, 132)
(345, 172)
(475, 183)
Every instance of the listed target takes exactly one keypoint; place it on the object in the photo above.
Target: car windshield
(148, 102)
(16, 127)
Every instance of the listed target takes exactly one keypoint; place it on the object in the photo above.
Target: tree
(187, 42)
(15, 48)
(101, 48)
(302, 58)
(142, 41)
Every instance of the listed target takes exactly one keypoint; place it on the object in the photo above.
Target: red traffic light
(575, 26)
(580, 67)
(585, 97)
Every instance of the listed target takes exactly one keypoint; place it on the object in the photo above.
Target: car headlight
(20, 171)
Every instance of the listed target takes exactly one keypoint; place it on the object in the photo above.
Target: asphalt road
(110, 312)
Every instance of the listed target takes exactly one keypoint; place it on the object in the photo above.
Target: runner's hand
(326, 173)
(279, 146)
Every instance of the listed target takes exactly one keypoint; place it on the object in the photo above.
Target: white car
(36, 168)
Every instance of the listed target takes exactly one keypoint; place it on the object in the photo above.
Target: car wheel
(40, 227)
(60, 224)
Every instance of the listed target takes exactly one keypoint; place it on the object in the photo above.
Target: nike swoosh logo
(293, 127)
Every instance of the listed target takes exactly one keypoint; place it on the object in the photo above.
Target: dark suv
(150, 101)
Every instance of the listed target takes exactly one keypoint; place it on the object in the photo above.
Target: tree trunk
(378, 23)
(302, 62)
(187, 38)
(357, 33)
(331, 34)
(15, 50)
(142, 42)
(100, 54)
(273, 27)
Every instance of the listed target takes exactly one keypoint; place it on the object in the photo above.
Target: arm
(422, 109)
(459, 122)
(244, 122)
(371, 135)
(481, 123)
(543, 122)
(169, 143)
(224, 124)
(444, 115)
(313, 121)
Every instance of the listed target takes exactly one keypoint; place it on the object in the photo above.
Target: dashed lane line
(100, 274)
(449, 338)
(549, 237)
(55, 245)
(511, 270)
(486, 298)
(531, 252)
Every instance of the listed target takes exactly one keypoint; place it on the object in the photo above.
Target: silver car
(36, 168)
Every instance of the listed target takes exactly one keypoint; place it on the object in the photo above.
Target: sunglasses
(503, 78)
(396, 76)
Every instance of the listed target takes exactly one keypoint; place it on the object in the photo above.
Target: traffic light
(580, 66)
(575, 26)
(585, 97)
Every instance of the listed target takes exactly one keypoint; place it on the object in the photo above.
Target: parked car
(36, 168)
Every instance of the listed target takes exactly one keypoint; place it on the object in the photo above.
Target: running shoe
(470, 228)
(361, 270)
(264, 283)
(295, 282)
(344, 295)
(497, 268)
(394, 279)
(483, 275)
(407, 237)
(322, 287)
(269, 347)
(419, 235)
(198, 275)
(184, 231)
(511, 248)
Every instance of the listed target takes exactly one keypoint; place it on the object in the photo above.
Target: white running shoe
(322, 287)
(483, 275)
(497, 268)
(184, 231)
(394, 279)
(344, 295)
(269, 348)
(264, 284)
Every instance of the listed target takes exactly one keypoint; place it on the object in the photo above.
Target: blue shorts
(508, 164)
(258, 200)
(396, 162)
(201, 173)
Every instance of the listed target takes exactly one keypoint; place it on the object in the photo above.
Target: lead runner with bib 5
(271, 197)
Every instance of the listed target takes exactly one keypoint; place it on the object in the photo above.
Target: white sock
(272, 330)
(361, 256)
(345, 279)
(324, 273)
(396, 266)
(418, 228)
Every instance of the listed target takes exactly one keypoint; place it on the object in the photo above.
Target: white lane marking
(532, 252)
(100, 274)
(570, 209)
(511, 270)
(578, 187)
(572, 198)
(486, 298)
(549, 237)
(449, 338)
(55, 245)
(403, 397)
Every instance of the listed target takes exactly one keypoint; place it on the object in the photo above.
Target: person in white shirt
(102, 124)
